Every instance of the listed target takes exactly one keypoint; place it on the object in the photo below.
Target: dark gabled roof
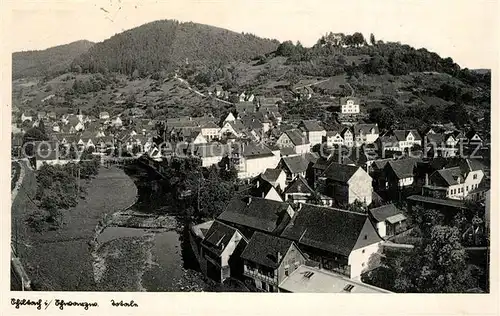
(253, 150)
(403, 168)
(365, 128)
(271, 175)
(328, 229)
(402, 134)
(311, 126)
(256, 213)
(380, 163)
(260, 187)
(296, 164)
(472, 165)
(299, 185)
(296, 137)
(383, 212)
(340, 172)
(287, 151)
(218, 237)
(446, 177)
(247, 107)
(471, 134)
(263, 249)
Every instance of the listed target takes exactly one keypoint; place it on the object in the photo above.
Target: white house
(388, 220)
(333, 139)
(210, 131)
(230, 118)
(277, 177)
(117, 121)
(104, 115)
(313, 130)
(349, 105)
(348, 137)
(340, 240)
(254, 160)
(25, 117)
(365, 134)
(295, 139)
(456, 182)
(263, 189)
(217, 248)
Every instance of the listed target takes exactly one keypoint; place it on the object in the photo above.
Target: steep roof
(264, 248)
(218, 237)
(296, 137)
(253, 150)
(402, 134)
(345, 99)
(383, 212)
(271, 175)
(340, 172)
(329, 229)
(299, 185)
(260, 187)
(256, 213)
(403, 168)
(245, 107)
(446, 177)
(296, 164)
(311, 126)
(365, 128)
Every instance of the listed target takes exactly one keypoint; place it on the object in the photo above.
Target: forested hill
(47, 62)
(166, 44)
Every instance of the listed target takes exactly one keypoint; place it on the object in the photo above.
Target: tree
(358, 39)
(372, 39)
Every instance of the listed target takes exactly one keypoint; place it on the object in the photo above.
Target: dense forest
(166, 44)
(47, 62)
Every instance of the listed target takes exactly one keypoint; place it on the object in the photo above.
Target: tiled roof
(296, 137)
(311, 126)
(365, 128)
(299, 185)
(383, 212)
(253, 150)
(296, 164)
(329, 229)
(345, 99)
(403, 168)
(446, 177)
(256, 213)
(263, 249)
(340, 172)
(218, 237)
(271, 175)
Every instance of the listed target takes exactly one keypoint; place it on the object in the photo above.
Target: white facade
(332, 140)
(252, 167)
(210, 133)
(360, 258)
(350, 107)
(199, 139)
(315, 137)
(461, 190)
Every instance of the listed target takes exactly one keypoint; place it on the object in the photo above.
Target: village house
(220, 252)
(347, 136)
(263, 189)
(439, 145)
(268, 260)
(340, 240)
(116, 122)
(277, 177)
(50, 155)
(307, 279)
(252, 159)
(26, 117)
(303, 93)
(232, 128)
(52, 115)
(400, 173)
(295, 139)
(454, 182)
(250, 214)
(210, 131)
(298, 191)
(245, 107)
(294, 166)
(333, 138)
(42, 115)
(104, 115)
(313, 131)
(388, 220)
(349, 105)
(399, 140)
(347, 183)
(473, 138)
(211, 154)
(365, 134)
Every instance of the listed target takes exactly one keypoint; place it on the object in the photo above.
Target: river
(152, 260)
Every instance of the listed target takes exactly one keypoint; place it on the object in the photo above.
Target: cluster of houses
(318, 202)
(98, 135)
(296, 228)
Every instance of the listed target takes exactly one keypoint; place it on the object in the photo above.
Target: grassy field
(61, 260)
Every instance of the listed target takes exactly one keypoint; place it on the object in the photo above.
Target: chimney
(426, 179)
(279, 257)
(257, 184)
(249, 200)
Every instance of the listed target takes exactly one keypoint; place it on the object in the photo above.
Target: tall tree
(372, 39)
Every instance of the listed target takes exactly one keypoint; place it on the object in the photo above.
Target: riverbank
(61, 260)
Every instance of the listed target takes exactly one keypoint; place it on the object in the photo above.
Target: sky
(465, 30)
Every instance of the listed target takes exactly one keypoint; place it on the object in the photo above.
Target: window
(363, 251)
(467, 189)
(474, 176)
(366, 237)
(286, 272)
